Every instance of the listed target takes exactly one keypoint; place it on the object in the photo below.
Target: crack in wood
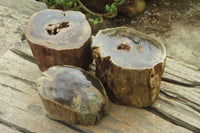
(157, 113)
(33, 84)
(171, 95)
(24, 55)
(182, 63)
(74, 127)
(194, 84)
(15, 107)
(173, 120)
(15, 89)
(173, 75)
(11, 125)
(109, 129)
(180, 100)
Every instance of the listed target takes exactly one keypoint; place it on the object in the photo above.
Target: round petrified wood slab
(59, 38)
(130, 65)
(72, 95)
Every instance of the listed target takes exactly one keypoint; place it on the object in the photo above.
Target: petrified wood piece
(59, 38)
(72, 95)
(130, 65)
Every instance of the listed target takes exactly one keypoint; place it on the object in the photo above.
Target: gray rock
(13, 17)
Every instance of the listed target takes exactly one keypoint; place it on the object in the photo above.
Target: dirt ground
(175, 24)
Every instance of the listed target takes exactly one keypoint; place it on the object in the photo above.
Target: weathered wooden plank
(6, 129)
(120, 119)
(14, 68)
(181, 73)
(176, 72)
(180, 104)
(21, 105)
(189, 96)
(29, 122)
(24, 51)
(179, 98)
(23, 67)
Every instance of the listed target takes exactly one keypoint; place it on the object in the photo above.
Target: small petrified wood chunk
(59, 38)
(130, 65)
(72, 95)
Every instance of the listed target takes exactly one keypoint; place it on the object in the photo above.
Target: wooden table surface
(176, 110)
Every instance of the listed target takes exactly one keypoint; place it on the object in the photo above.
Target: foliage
(72, 5)
(96, 21)
(112, 9)
(65, 4)
(50, 3)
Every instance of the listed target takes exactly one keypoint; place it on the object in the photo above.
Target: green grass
(62, 4)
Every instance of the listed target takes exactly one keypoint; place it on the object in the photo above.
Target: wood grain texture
(180, 104)
(179, 98)
(122, 119)
(20, 104)
(7, 129)
(181, 73)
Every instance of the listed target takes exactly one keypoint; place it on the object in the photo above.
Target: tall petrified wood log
(130, 65)
(59, 38)
(72, 95)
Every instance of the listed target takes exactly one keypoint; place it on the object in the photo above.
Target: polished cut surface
(80, 96)
(129, 49)
(57, 28)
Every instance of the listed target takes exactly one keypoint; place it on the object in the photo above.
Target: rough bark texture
(72, 95)
(130, 87)
(59, 38)
(136, 86)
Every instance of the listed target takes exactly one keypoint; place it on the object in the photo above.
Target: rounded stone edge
(86, 119)
(96, 49)
(54, 48)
